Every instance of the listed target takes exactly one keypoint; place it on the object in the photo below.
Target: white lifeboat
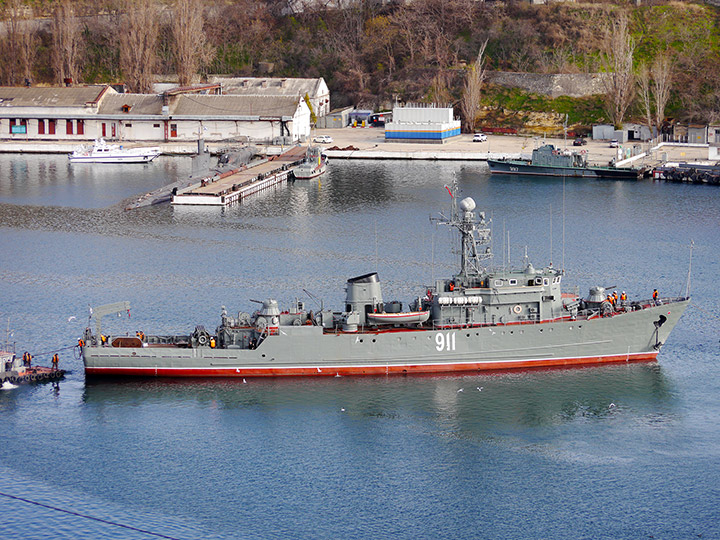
(403, 317)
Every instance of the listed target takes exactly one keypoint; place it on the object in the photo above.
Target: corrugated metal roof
(267, 86)
(267, 106)
(75, 96)
(139, 104)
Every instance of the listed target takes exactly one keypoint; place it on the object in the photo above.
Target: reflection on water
(500, 400)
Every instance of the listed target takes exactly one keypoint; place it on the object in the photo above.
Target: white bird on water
(244, 381)
(461, 390)
(479, 388)
(72, 318)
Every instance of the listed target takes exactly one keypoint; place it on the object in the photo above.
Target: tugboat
(478, 319)
(14, 370)
(550, 161)
(314, 164)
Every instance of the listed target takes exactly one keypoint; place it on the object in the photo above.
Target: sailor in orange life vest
(655, 296)
(55, 361)
(81, 343)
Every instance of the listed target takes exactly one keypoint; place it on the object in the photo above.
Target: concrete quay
(369, 143)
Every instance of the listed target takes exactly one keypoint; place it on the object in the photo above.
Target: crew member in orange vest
(55, 361)
(655, 296)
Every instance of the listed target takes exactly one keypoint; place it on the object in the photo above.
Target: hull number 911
(445, 342)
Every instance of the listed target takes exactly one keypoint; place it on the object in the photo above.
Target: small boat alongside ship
(16, 370)
(102, 152)
(547, 160)
(314, 164)
(480, 318)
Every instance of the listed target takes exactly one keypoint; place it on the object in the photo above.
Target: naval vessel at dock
(550, 161)
(481, 318)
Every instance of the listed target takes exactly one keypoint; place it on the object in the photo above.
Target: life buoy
(202, 339)
(517, 309)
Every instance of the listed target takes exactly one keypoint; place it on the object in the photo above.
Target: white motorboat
(101, 152)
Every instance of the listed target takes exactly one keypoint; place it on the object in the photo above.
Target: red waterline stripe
(318, 371)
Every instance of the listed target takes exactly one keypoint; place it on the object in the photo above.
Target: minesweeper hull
(308, 350)
(524, 168)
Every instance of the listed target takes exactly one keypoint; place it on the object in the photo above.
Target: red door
(104, 134)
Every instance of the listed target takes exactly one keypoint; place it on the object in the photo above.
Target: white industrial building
(87, 113)
(316, 89)
(422, 124)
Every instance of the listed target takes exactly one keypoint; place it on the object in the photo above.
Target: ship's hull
(308, 351)
(525, 168)
(306, 173)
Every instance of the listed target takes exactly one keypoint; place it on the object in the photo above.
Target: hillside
(375, 53)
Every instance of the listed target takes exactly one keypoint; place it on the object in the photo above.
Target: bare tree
(67, 42)
(618, 64)
(192, 51)
(475, 77)
(28, 48)
(138, 44)
(14, 65)
(643, 81)
(662, 71)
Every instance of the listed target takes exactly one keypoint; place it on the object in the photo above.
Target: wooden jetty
(233, 186)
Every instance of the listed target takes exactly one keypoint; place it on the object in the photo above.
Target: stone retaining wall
(550, 84)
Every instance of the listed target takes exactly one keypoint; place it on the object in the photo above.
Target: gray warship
(478, 319)
(550, 161)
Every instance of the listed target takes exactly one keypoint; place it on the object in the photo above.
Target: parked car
(614, 143)
(479, 137)
(579, 141)
(323, 139)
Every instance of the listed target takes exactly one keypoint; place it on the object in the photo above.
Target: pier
(232, 186)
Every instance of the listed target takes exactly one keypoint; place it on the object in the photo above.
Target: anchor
(658, 324)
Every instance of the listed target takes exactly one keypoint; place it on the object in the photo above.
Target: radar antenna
(475, 236)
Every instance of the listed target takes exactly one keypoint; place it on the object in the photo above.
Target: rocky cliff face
(550, 84)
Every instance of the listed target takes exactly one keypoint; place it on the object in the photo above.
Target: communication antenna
(563, 228)
(508, 253)
(687, 286)
(376, 249)
(432, 255)
(551, 252)
(503, 247)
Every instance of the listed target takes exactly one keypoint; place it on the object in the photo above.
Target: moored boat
(314, 164)
(550, 161)
(480, 318)
(102, 152)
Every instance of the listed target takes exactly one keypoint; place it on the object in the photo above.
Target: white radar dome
(467, 204)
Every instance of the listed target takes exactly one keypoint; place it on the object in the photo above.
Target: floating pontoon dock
(233, 186)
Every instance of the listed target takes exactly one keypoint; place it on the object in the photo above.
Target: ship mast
(474, 232)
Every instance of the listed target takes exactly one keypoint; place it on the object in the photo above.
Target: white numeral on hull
(445, 342)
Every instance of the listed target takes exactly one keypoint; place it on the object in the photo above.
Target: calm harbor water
(617, 452)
